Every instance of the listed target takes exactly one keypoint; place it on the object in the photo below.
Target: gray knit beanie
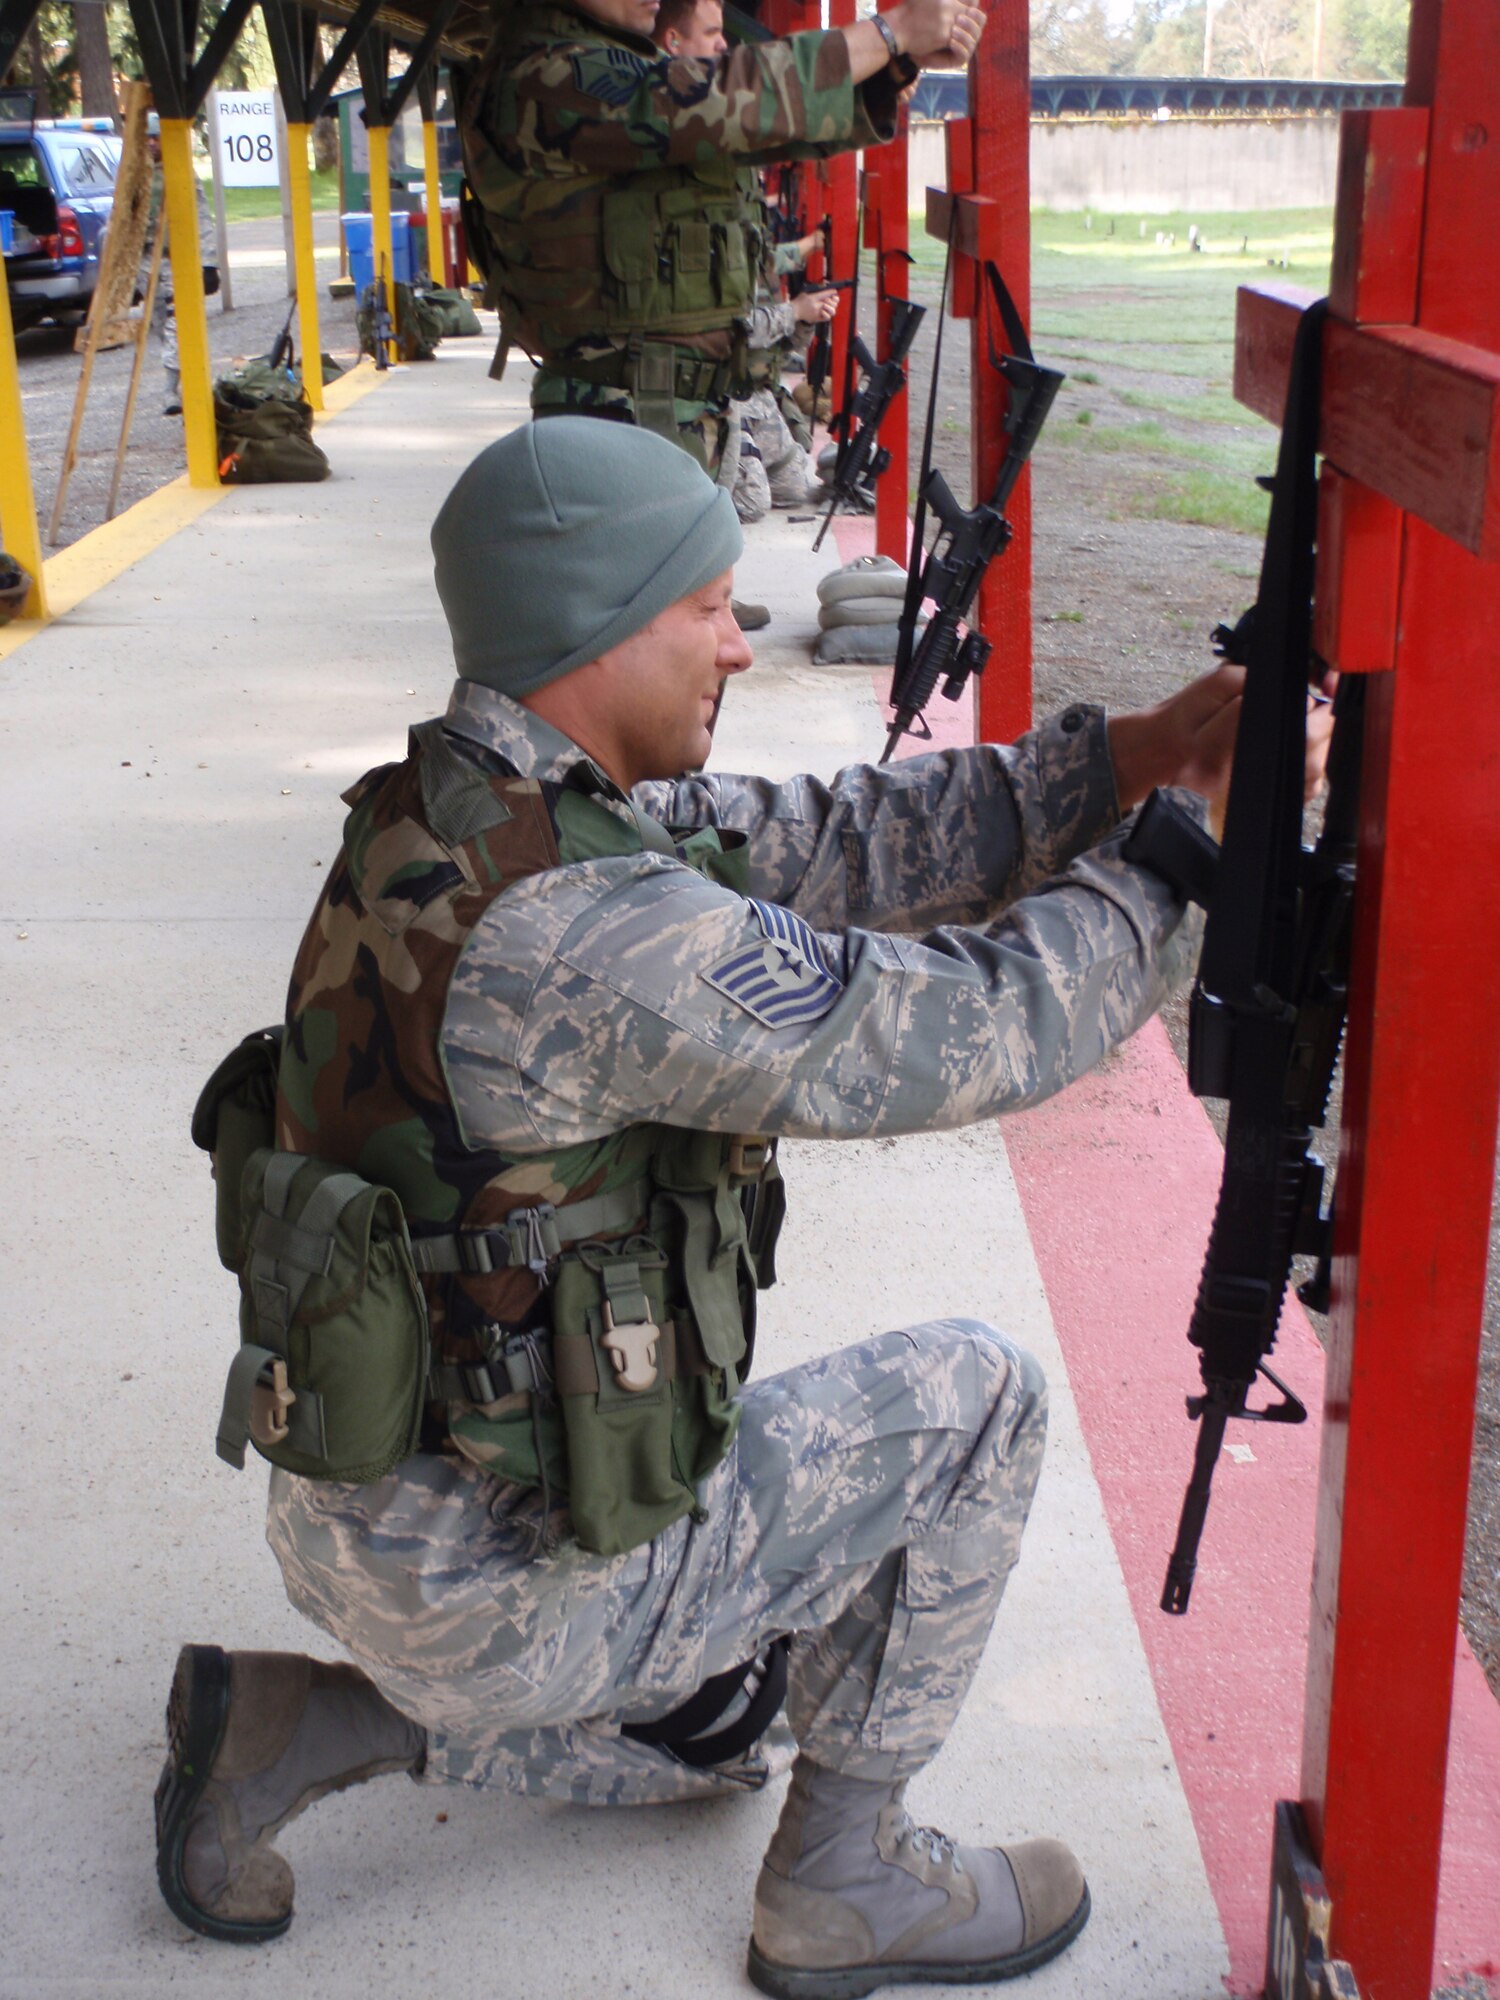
(566, 537)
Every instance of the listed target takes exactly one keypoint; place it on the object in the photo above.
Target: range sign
(246, 149)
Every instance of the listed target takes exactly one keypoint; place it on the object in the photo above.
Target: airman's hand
(936, 34)
(1188, 740)
(813, 308)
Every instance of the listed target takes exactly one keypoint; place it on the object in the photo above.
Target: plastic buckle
(479, 1382)
(269, 1403)
(631, 1347)
(750, 1153)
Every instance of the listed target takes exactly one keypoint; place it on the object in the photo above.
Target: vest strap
(531, 1237)
(287, 1254)
(252, 1381)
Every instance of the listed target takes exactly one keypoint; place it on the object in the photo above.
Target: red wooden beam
(1422, 1082)
(958, 153)
(890, 233)
(1409, 413)
(974, 220)
(1377, 250)
(840, 177)
(1000, 101)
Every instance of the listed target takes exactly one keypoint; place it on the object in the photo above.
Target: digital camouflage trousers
(872, 1507)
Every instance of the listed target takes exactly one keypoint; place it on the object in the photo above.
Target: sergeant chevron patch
(613, 76)
(782, 979)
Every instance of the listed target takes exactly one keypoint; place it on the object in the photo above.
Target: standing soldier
(764, 464)
(622, 244)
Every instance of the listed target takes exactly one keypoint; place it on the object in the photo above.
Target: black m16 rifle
(861, 457)
(820, 349)
(384, 334)
(283, 354)
(968, 538)
(1268, 1006)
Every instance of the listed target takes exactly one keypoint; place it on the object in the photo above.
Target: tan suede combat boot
(253, 1739)
(852, 1896)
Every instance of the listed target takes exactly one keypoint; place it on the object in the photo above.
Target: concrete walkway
(175, 748)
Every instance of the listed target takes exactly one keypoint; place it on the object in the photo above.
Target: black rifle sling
(843, 420)
(912, 603)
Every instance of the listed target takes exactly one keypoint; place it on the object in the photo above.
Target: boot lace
(937, 1847)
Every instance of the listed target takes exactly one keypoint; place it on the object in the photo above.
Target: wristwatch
(887, 35)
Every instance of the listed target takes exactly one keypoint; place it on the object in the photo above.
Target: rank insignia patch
(613, 76)
(783, 977)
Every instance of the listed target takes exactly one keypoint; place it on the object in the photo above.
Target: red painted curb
(1117, 1179)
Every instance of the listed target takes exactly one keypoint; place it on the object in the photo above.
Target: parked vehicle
(57, 181)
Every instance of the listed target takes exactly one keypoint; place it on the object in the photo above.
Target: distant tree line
(75, 49)
(1334, 38)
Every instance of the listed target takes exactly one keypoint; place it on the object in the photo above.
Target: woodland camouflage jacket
(597, 159)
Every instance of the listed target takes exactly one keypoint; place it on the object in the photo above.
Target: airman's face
(702, 36)
(637, 17)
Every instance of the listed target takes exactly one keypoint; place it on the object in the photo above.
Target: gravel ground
(50, 373)
(1123, 608)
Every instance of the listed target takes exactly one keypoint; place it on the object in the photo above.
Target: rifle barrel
(1183, 1565)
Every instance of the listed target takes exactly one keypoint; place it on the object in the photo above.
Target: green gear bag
(458, 317)
(331, 1378)
(265, 439)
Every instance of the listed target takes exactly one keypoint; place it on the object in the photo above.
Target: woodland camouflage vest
(660, 251)
(542, 1273)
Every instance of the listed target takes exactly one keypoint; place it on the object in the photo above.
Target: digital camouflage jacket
(922, 945)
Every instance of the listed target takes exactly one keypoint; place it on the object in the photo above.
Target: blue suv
(57, 181)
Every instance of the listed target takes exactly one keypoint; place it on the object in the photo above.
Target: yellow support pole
(17, 502)
(434, 179)
(380, 213)
(297, 138)
(188, 302)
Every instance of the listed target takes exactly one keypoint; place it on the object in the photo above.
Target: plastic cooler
(359, 235)
(454, 259)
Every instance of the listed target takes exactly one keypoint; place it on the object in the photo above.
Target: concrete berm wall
(1150, 168)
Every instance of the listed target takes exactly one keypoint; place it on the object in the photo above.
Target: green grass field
(245, 204)
(1145, 330)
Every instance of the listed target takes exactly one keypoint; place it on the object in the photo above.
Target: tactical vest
(652, 253)
(591, 1310)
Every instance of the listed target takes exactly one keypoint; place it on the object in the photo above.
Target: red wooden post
(1409, 579)
(989, 174)
(1000, 104)
(890, 234)
(1423, 1074)
(841, 181)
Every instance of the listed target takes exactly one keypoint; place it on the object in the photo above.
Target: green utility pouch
(236, 1115)
(331, 1375)
(332, 1368)
(615, 1362)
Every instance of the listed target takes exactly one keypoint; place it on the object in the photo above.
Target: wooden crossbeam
(1410, 414)
(973, 220)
